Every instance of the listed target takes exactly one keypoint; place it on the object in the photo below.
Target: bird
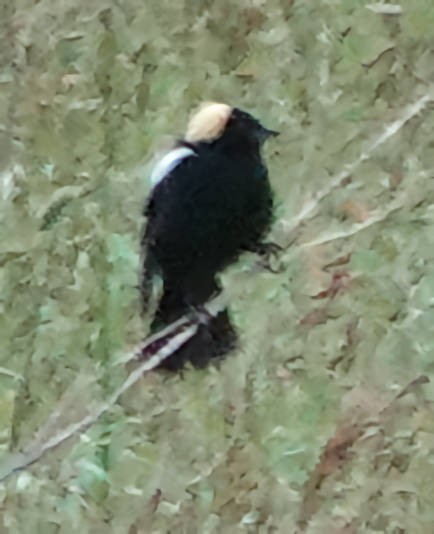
(210, 201)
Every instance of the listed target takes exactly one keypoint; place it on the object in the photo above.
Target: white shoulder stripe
(168, 162)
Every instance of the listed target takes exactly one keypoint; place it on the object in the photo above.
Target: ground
(322, 421)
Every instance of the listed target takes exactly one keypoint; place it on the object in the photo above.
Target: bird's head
(214, 120)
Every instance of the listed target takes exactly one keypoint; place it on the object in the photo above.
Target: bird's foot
(269, 256)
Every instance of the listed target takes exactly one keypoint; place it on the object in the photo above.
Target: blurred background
(322, 421)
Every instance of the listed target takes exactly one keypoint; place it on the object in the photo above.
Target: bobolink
(211, 200)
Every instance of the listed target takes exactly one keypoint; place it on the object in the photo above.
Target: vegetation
(322, 422)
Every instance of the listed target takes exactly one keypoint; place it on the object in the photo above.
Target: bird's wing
(150, 269)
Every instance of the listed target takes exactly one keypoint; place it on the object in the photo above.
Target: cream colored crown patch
(208, 122)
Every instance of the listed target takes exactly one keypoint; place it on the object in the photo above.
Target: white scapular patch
(168, 162)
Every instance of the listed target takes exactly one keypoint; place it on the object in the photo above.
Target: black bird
(211, 200)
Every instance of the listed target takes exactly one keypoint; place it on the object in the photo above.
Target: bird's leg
(202, 314)
(267, 252)
(267, 248)
(197, 304)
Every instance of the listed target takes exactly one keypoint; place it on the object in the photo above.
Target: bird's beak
(265, 133)
(271, 133)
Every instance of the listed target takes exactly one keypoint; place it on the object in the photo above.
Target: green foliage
(89, 94)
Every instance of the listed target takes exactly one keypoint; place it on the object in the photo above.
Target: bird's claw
(269, 257)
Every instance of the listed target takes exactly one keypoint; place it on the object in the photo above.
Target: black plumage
(210, 207)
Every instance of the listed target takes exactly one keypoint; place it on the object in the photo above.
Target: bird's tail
(211, 342)
(171, 307)
(215, 338)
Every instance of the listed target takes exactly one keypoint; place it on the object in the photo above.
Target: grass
(322, 421)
